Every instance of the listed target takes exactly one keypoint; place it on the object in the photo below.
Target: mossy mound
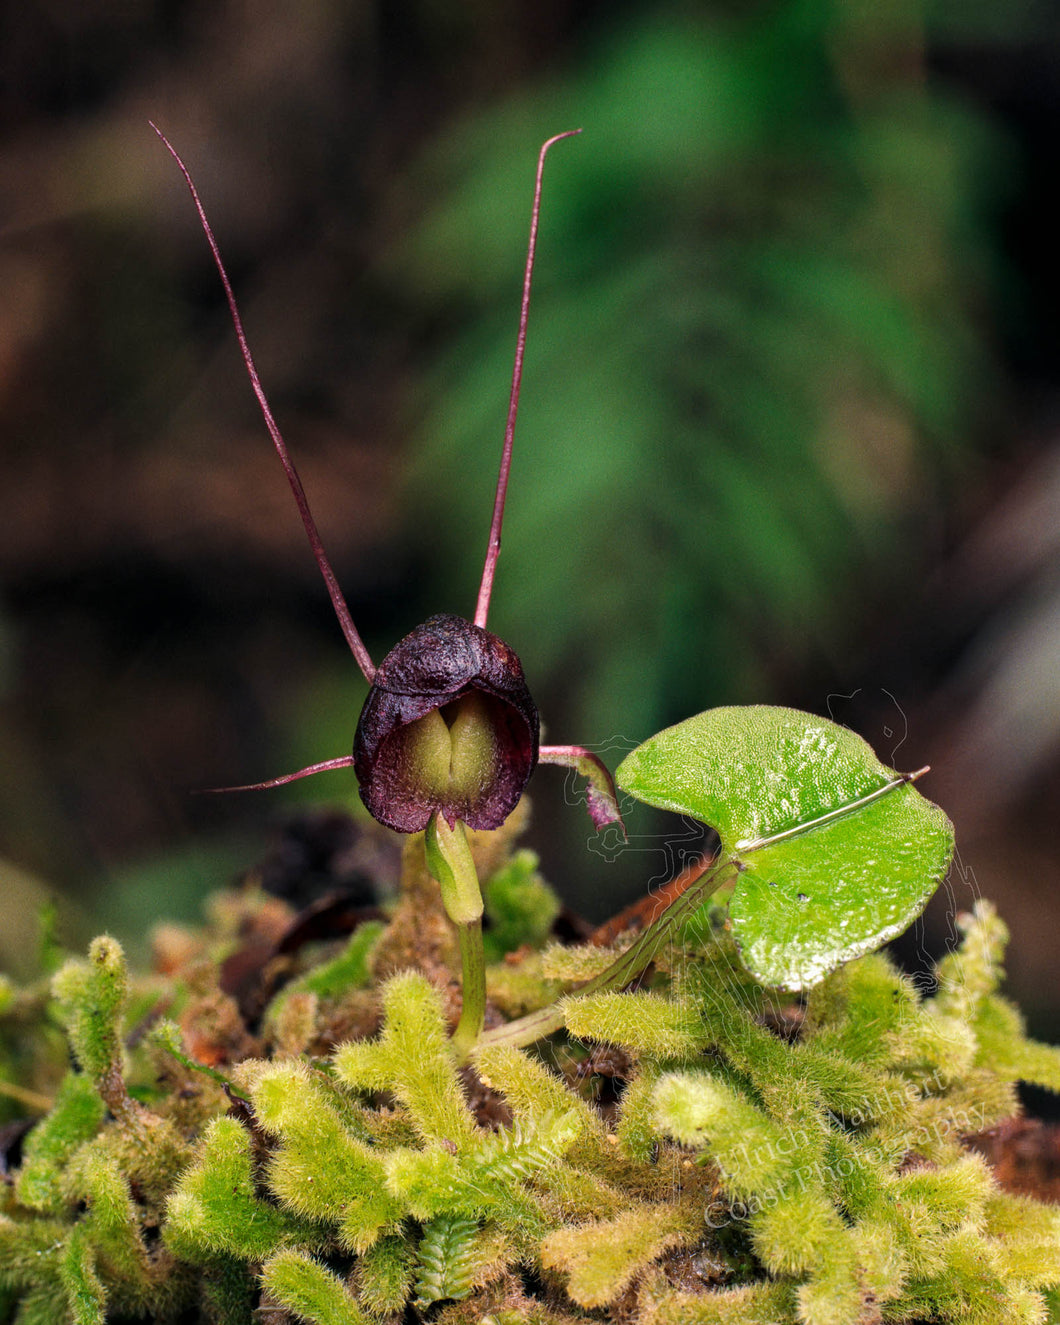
(246, 1131)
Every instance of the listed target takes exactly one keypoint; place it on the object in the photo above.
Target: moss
(520, 906)
(76, 1116)
(600, 1258)
(309, 1291)
(750, 1160)
(385, 1274)
(91, 1000)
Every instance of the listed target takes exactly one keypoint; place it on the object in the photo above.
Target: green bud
(449, 861)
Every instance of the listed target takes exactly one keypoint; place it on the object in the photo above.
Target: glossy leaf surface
(825, 892)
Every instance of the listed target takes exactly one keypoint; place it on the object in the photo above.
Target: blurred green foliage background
(786, 431)
(757, 361)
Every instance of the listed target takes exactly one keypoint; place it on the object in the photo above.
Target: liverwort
(448, 736)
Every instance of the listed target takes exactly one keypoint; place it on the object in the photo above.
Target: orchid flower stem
(450, 862)
(473, 972)
(626, 968)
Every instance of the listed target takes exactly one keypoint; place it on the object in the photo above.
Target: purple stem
(338, 602)
(344, 761)
(601, 798)
(494, 547)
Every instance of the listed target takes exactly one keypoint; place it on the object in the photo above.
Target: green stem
(473, 966)
(624, 969)
(167, 1036)
(32, 1099)
(449, 861)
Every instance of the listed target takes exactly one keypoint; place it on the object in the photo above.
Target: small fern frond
(447, 1259)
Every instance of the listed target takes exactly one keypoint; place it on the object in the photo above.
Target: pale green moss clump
(737, 1160)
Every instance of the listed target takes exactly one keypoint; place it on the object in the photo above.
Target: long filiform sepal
(338, 600)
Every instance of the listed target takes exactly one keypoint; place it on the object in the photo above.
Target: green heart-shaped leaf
(824, 874)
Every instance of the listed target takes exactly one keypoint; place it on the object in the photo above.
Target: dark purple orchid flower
(449, 728)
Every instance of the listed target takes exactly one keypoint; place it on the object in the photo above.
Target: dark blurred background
(789, 427)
